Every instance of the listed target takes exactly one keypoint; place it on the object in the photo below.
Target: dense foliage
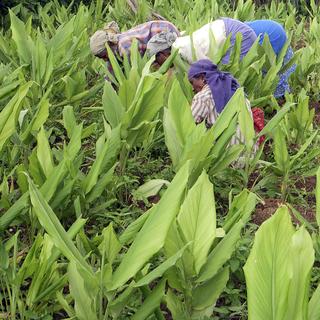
(115, 205)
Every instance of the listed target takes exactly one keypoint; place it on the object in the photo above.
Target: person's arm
(199, 108)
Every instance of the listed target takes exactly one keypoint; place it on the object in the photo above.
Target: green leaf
(53, 227)
(69, 119)
(246, 124)
(197, 220)
(24, 43)
(221, 253)
(176, 307)
(150, 188)
(101, 185)
(44, 153)
(240, 209)
(275, 120)
(110, 245)
(112, 106)
(268, 269)
(105, 160)
(302, 259)
(317, 191)
(4, 258)
(39, 118)
(9, 114)
(84, 298)
(207, 293)
(151, 237)
(281, 154)
(226, 116)
(151, 303)
(129, 234)
(116, 306)
(161, 269)
(314, 306)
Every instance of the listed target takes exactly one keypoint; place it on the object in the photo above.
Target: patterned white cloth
(203, 109)
(201, 41)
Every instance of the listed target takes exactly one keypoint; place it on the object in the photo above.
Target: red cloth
(258, 122)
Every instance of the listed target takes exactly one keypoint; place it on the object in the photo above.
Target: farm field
(114, 204)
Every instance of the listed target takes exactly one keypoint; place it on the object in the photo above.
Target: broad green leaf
(105, 160)
(9, 114)
(197, 220)
(226, 116)
(180, 113)
(274, 122)
(39, 118)
(303, 148)
(302, 259)
(44, 153)
(116, 306)
(101, 185)
(173, 143)
(281, 154)
(24, 43)
(197, 147)
(314, 306)
(161, 269)
(221, 253)
(115, 65)
(84, 298)
(4, 258)
(129, 234)
(176, 306)
(53, 227)
(151, 237)
(230, 155)
(267, 269)
(48, 259)
(150, 188)
(110, 245)
(206, 294)
(49, 188)
(240, 209)
(246, 124)
(69, 119)
(112, 106)
(151, 302)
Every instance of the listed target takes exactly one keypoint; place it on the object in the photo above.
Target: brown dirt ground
(265, 210)
(308, 184)
(316, 106)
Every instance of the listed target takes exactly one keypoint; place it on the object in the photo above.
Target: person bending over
(278, 38)
(213, 90)
(162, 43)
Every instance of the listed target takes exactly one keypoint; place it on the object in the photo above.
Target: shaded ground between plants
(316, 106)
(265, 210)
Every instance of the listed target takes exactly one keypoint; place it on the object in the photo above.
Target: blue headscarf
(274, 30)
(222, 84)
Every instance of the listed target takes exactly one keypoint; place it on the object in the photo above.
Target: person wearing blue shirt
(277, 37)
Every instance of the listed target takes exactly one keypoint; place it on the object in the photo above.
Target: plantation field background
(115, 205)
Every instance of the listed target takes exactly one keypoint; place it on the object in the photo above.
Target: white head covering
(98, 40)
(161, 41)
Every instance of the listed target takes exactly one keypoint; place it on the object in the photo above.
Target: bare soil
(265, 210)
(316, 106)
(307, 184)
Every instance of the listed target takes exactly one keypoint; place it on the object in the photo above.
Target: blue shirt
(274, 30)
